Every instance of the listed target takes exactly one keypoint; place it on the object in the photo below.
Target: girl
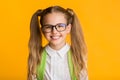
(57, 60)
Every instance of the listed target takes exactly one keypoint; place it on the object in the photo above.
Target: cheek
(46, 35)
(64, 34)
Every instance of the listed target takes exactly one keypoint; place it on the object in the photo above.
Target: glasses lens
(47, 28)
(61, 27)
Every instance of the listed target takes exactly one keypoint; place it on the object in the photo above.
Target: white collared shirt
(57, 67)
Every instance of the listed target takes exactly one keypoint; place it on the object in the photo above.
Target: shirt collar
(60, 52)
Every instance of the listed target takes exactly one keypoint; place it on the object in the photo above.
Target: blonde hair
(78, 46)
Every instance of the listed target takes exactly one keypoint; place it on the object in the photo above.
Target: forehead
(54, 18)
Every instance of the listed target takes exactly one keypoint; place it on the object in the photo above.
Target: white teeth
(55, 37)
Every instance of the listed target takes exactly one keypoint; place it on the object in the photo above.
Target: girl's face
(56, 36)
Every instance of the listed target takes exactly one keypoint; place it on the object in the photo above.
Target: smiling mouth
(55, 37)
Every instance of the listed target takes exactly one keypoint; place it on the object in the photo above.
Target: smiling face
(54, 37)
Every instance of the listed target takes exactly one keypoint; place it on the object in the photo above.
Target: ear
(68, 28)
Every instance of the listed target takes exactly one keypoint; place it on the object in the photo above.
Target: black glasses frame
(52, 27)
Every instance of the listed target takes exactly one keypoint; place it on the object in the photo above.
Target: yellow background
(100, 21)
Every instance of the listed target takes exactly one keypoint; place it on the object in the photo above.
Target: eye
(47, 26)
(62, 25)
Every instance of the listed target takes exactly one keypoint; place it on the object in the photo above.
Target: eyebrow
(53, 25)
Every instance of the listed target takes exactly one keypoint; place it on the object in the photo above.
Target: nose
(54, 30)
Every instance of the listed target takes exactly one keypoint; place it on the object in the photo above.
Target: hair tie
(70, 11)
(39, 12)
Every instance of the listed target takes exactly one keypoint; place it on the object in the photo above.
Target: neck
(57, 47)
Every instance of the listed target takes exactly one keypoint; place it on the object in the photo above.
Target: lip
(55, 37)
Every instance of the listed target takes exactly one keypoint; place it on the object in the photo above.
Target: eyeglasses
(59, 27)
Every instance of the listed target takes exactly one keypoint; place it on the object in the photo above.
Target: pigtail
(78, 45)
(35, 44)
